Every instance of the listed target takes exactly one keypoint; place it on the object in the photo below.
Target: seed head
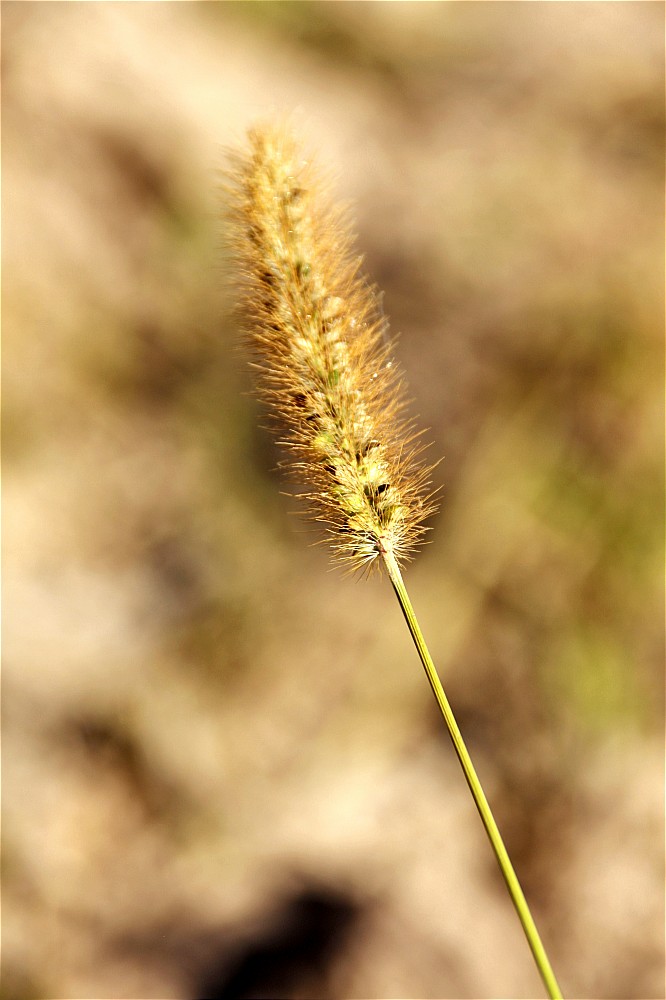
(323, 361)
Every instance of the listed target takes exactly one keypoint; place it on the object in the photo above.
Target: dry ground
(223, 772)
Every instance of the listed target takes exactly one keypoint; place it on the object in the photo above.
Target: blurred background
(224, 772)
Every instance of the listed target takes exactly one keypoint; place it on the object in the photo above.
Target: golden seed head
(323, 361)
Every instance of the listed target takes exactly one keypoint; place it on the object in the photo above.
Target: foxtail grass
(334, 393)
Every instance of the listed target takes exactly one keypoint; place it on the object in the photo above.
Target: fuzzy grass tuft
(328, 378)
(325, 367)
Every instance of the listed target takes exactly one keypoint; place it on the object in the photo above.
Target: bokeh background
(224, 772)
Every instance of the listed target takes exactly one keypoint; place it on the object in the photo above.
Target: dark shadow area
(292, 949)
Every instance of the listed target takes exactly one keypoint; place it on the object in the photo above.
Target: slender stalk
(487, 818)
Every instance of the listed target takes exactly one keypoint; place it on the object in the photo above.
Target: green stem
(512, 883)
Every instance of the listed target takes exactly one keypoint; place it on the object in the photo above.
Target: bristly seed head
(324, 365)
